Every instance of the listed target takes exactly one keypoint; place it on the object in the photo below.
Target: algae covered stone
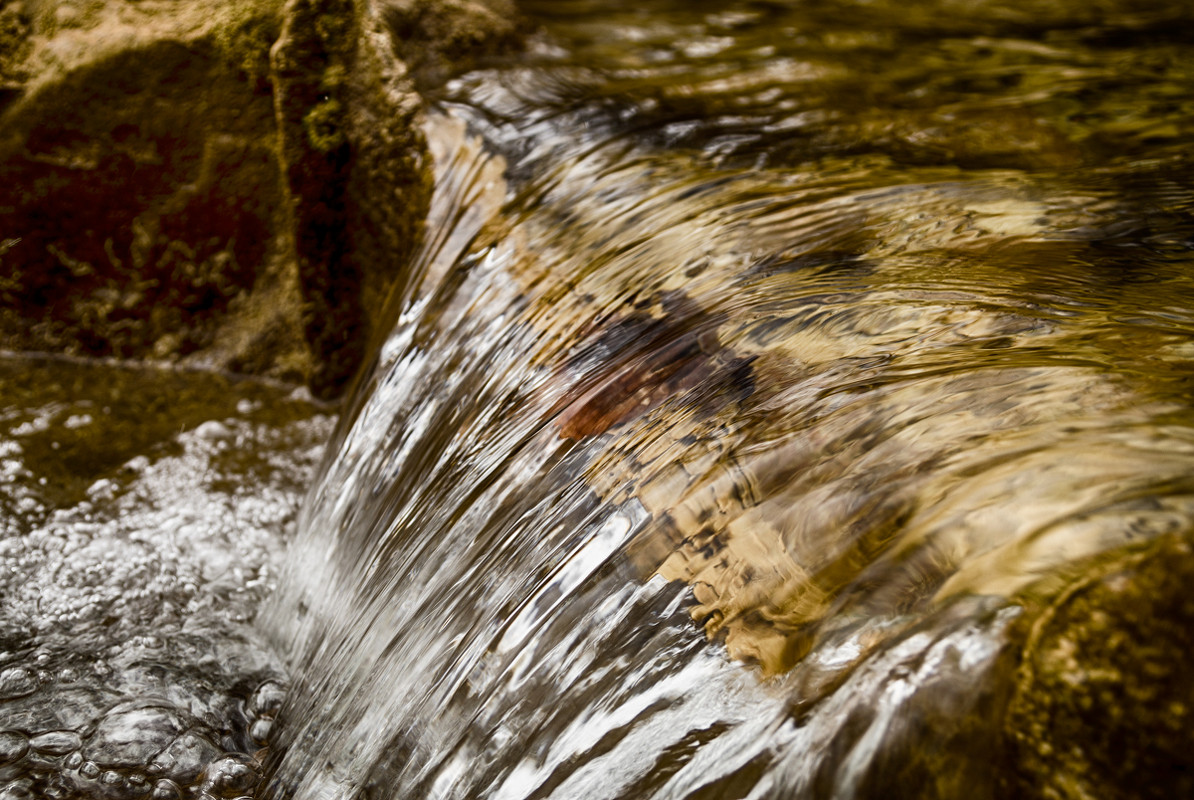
(141, 179)
(1105, 704)
(169, 192)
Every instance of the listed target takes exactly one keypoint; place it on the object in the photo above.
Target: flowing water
(766, 365)
(773, 378)
(143, 514)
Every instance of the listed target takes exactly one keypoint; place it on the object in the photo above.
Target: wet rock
(138, 171)
(166, 193)
(1104, 704)
(440, 38)
(354, 164)
(14, 44)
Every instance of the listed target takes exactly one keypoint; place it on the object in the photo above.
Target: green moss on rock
(441, 38)
(356, 174)
(324, 125)
(245, 34)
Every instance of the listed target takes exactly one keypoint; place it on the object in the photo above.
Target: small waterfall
(727, 438)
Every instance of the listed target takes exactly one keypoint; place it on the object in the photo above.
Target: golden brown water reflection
(846, 329)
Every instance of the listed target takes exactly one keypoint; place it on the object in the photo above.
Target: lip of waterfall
(735, 447)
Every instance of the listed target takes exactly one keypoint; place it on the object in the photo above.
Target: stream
(770, 374)
(766, 362)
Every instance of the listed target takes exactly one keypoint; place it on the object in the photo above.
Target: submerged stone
(1104, 704)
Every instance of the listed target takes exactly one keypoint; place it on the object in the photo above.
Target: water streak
(732, 433)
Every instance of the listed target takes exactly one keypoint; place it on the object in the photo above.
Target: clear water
(767, 361)
(143, 515)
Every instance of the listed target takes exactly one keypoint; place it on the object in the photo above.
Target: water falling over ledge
(715, 456)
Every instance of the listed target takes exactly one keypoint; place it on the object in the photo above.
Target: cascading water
(767, 363)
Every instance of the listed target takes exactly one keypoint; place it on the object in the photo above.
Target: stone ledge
(170, 192)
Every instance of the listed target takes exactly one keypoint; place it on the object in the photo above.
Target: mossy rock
(138, 170)
(1105, 705)
(442, 38)
(169, 192)
(14, 46)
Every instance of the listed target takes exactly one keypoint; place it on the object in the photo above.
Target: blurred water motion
(772, 366)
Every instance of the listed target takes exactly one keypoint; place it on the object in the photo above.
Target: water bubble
(185, 757)
(131, 738)
(260, 731)
(267, 699)
(166, 789)
(13, 746)
(56, 743)
(213, 431)
(77, 421)
(136, 464)
(103, 489)
(17, 790)
(16, 682)
(234, 774)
